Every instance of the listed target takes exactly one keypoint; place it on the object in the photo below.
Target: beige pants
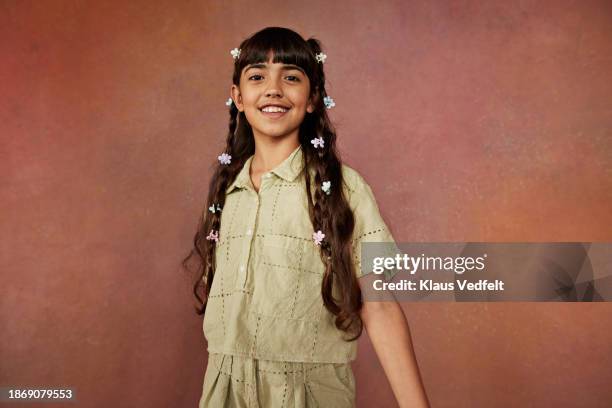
(233, 381)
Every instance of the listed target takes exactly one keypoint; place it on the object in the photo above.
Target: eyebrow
(285, 67)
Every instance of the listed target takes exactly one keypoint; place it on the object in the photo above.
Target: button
(266, 175)
(249, 232)
(241, 268)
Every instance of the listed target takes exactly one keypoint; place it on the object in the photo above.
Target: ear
(312, 102)
(237, 98)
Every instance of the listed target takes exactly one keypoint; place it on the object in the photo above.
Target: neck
(272, 151)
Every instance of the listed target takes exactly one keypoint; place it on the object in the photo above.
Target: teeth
(274, 109)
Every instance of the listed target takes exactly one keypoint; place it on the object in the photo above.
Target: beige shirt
(265, 301)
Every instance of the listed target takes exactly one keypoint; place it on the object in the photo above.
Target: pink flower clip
(213, 236)
(318, 237)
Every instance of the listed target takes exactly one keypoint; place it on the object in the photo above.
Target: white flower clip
(318, 142)
(229, 102)
(225, 158)
(213, 236)
(318, 237)
(321, 57)
(329, 102)
(235, 53)
(212, 208)
(326, 186)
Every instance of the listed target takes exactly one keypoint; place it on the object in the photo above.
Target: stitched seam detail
(233, 237)
(274, 210)
(223, 291)
(286, 236)
(297, 286)
(231, 220)
(296, 370)
(223, 294)
(285, 388)
(293, 267)
(368, 233)
(307, 385)
(276, 356)
(255, 336)
(314, 340)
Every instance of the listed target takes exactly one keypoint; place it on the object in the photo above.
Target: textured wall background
(471, 120)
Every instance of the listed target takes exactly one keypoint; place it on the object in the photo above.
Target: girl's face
(270, 86)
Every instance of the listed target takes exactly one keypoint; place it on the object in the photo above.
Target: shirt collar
(288, 170)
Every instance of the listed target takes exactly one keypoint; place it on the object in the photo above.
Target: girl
(279, 246)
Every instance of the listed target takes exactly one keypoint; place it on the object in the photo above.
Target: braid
(211, 221)
(331, 213)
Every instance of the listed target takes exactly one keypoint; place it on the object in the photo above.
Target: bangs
(286, 46)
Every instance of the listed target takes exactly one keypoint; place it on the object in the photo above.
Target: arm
(390, 335)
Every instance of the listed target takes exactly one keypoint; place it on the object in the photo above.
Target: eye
(295, 78)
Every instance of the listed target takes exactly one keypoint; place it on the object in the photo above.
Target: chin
(276, 132)
(275, 135)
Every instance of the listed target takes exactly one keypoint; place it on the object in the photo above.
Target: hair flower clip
(212, 208)
(318, 142)
(229, 102)
(321, 57)
(213, 236)
(318, 237)
(326, 186)
(235, 53)
(329, 102)
(225, 158)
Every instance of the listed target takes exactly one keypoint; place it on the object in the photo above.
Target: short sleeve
(369, 228)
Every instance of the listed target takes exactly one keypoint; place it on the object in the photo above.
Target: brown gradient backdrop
(471, 120)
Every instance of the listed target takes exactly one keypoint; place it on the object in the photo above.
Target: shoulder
(353, 181)
(361, 200)
(369, 223)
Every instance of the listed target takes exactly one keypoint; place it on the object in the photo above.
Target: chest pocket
(287, 280)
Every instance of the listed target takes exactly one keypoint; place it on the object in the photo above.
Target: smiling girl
(279, 246)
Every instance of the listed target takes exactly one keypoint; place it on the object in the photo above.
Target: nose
(274, 88)
(272, 92)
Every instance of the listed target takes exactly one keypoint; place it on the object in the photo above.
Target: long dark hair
(329, 213)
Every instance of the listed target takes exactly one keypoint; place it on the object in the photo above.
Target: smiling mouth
(274, 112)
